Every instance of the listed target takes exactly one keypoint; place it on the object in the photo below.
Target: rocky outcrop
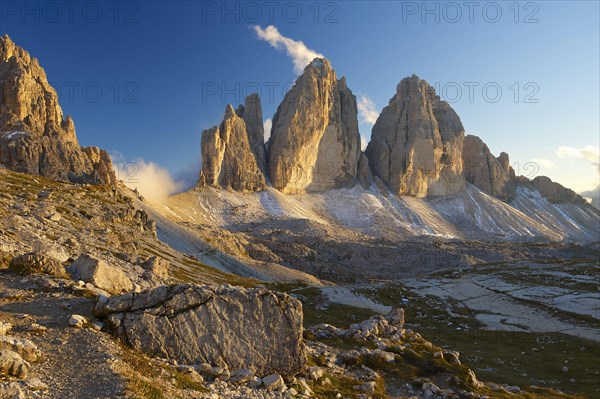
(552, 191)
(35, 262)
(315, 143)
(233, 152)
(34, 137)
(156, 269)
(99, 273)
(493, 176)
(22, 347)
(16, 355)
(229, 327)
(11, 364)
(416, 143)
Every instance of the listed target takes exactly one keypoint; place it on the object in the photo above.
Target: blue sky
(166, 70)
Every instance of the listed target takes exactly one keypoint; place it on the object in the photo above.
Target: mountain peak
(416, 143)
(34, 136)
(315, 144)
(320, 63)
(321, 66)
(233, 154)
(229, 111)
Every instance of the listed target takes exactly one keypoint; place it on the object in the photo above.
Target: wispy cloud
(589, 153)
(300, 54)
(367, 110)
(152, 181)
(544, 163)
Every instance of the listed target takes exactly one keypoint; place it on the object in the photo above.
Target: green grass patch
(184, 381)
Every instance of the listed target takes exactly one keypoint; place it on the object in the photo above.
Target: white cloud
(367, 110)
(300, 54)
(363, 142)
(544, 163)
(589, 153)
(152, 181)
(267, 124)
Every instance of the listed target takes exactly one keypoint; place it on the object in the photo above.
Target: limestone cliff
(314, 143)
(416, 143)
(34, 137)
(233, 152)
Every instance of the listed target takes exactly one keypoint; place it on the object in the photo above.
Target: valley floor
(519, 325)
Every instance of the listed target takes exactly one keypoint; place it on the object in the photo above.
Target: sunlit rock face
(233, 154)
(34, 136)
(314, 143)
(416, 143)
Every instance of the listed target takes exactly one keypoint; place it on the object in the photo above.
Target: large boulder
(315, 143)
(416, 143)
(233, 153)
(226, 326)
(99, 273)
(493, 176)
(34, 136)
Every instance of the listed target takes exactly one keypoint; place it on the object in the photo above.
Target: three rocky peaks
(418, 145)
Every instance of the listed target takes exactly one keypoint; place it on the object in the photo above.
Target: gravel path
(76, 363)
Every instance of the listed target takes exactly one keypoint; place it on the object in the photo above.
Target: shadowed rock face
(251, 113)
(493, 176)
(364, 175)
(231, 327)
(233, 153)
(34, 137)
(314, 143)
(552, 191)
(416, 143)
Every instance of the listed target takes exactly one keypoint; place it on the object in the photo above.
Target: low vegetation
(150, 379)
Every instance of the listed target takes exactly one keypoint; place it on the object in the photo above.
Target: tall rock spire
(315, 143)
(233, 152)
(416, 143)
(34, 136)
(251, 113)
